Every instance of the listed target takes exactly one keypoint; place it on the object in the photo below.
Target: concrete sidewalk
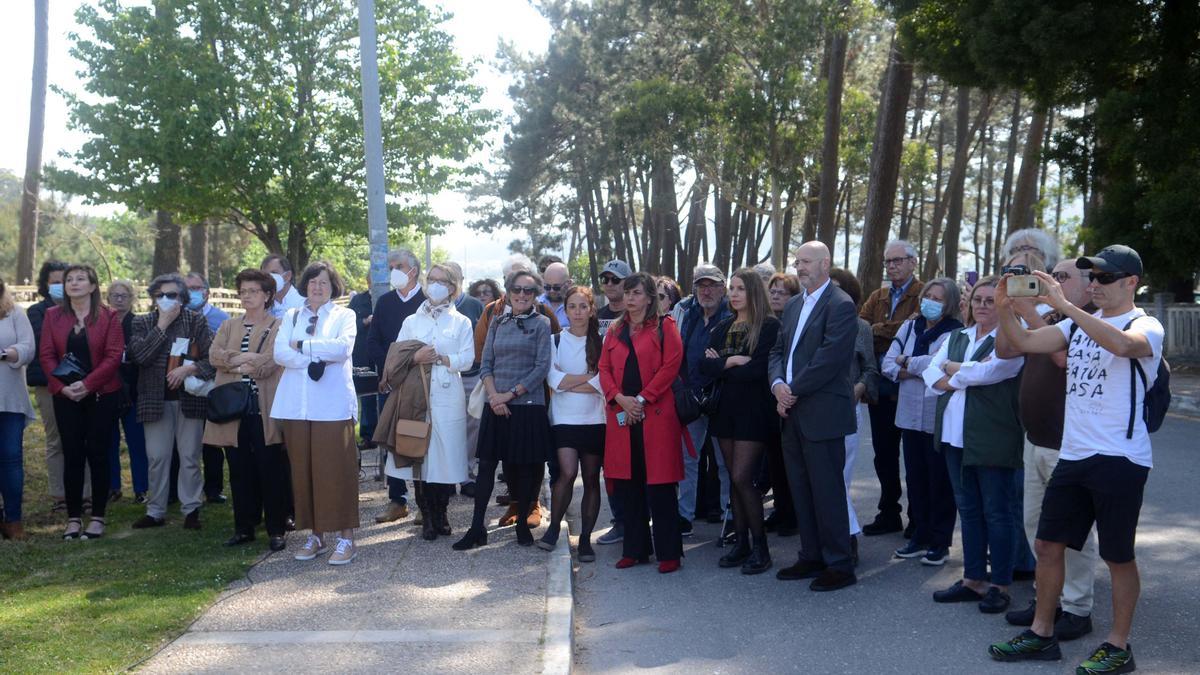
(404, 604)
(1185, 390)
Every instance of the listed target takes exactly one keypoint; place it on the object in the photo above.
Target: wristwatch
(640, 399)
(513, 391)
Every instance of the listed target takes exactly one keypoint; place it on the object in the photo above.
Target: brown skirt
(324, 461)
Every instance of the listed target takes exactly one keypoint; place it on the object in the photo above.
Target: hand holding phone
(621, 418)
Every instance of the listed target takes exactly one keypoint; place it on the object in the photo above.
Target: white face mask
(279, 282)
(437, 292)
(398, 279)
(166, 304)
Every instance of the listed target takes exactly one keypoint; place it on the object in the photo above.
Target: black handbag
(69, 370)
(687, 405)
(709, 399)
(234, 400)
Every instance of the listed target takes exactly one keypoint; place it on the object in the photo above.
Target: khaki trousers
(1079, 587)
(324, 460)
(56, 465)
(174, 431)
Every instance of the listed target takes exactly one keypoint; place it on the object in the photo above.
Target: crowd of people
(1025, 418)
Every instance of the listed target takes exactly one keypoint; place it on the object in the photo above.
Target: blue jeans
(1023, 558)
(135, 440)
(368, 416)
(12, 465)
(698, 430)
(985, 496)
(397, 488)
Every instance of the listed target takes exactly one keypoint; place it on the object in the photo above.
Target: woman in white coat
(450, 347)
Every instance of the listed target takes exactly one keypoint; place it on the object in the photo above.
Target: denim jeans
(698, 430)
(135, 440)
(985, 496)
(12, 465)
(368, 417)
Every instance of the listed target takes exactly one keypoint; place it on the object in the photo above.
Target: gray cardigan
(862, 367)
(15, 331)
(518, 353)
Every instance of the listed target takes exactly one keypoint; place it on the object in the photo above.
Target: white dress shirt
(291, 300)
(810, 301)
(332, 398)
(990, 370)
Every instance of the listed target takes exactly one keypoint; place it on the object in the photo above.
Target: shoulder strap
(557, 340)
(263, 339)
(1135, 372)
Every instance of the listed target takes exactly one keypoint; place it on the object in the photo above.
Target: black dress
(746, 410)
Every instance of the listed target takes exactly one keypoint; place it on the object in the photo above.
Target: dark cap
(1115, 258)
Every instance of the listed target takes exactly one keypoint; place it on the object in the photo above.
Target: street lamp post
(373, 148)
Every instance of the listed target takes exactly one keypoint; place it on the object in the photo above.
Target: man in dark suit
(810, 378)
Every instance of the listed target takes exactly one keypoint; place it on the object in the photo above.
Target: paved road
(706, 619)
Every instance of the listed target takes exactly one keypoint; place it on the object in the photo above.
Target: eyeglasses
(609, 280)
(983, 302)
(312, 325)
(554, 288)
(247, 292)
(1105, 278)
(779, 292)
(118, 296)
(170, 295)
(707, 286)
(890, 262)
(1061, 277)
(524, 290)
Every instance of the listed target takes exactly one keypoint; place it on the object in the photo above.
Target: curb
(1185, 404)
(558, 631)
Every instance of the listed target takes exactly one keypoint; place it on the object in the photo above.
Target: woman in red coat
(86, 393)
(639, 361)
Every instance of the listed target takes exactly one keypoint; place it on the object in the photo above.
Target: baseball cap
(618, 268)
(1115, 258)
(707, 271)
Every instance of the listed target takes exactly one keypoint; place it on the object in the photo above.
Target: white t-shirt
(1097, 412)
(569, 357)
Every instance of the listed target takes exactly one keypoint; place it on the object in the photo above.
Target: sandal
(74, 525)
(90, 533)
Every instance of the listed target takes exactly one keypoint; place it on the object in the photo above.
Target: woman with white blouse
(450, 348)
(318, 406)
(577, 418)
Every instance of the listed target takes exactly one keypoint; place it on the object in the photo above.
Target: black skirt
(588, 439)
(746, 412)
(523, 438)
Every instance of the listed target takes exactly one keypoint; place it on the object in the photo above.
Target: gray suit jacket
(821, 380)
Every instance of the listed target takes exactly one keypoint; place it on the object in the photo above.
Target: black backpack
(1158, 397)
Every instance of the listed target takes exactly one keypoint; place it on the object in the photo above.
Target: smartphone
(621, 418)
(1022, 284)
(972, 277)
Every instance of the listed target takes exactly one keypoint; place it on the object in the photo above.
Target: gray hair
(765, 270)
(123, 283)
(953, 296)
(909, 249)
(511, 278)
(1040, 239)
(406, 257)
(515, 262)
(197, 275)
(160, 280)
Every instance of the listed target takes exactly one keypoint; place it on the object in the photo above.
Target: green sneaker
(1028, 646)
(1108, 659)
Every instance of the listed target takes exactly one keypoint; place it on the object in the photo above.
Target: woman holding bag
(243, 354)
(449, 349)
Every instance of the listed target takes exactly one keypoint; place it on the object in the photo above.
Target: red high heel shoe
(626, 563)
(668, 566)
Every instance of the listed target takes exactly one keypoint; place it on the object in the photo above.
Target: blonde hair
(452, 276)
(123, 283)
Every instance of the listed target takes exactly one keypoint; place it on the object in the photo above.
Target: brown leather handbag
(412, 436)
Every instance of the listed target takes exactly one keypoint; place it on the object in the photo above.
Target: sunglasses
(170, 295)
(524, 290)
(312, 325)
(1105, 278)
(554, 288)
(609, 280)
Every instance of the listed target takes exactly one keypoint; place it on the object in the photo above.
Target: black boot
(524, 534)
(425, 498)
(443, 503)
(740, 552)
(760, 557)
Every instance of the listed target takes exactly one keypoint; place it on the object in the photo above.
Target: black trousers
(785, 508)
(258, 478)
(885, 436)
(214, 471)
(642, 502)
(931, 507)
(814, 469)
(86, 430)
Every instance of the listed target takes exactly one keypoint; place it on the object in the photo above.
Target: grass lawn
(103, 605)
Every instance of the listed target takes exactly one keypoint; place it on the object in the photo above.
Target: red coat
(661, 431)
(106, 342)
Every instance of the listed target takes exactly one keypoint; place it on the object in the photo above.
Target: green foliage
(250, 111)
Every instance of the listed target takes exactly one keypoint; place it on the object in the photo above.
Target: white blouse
(569, 357)
(990, 370)
(332, 398)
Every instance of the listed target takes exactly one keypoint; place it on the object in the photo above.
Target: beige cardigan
(228, 344)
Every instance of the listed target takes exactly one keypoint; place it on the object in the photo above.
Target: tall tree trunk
(1006, 187)
(810, 210)
(1044, 170)
(979, 209)
(1024, 198)
(722, 229)
(696, 230)
(954, 186)
(849, 212)
(666, 219)
(27, 240)
(991, 183)
(298, 251)
(885, 170)
(197, 249)
(826, 216)
(168, 244)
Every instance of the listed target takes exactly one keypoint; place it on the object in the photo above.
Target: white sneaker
(343, 553)
(312, 548)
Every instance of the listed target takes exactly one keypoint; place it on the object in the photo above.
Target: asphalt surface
(704, 619)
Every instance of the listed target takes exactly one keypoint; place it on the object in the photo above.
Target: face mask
(195, 299)
(166, 304)
(398, 279)
(931, 309)
(56, 291)
(437, 292)
(279, 282)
